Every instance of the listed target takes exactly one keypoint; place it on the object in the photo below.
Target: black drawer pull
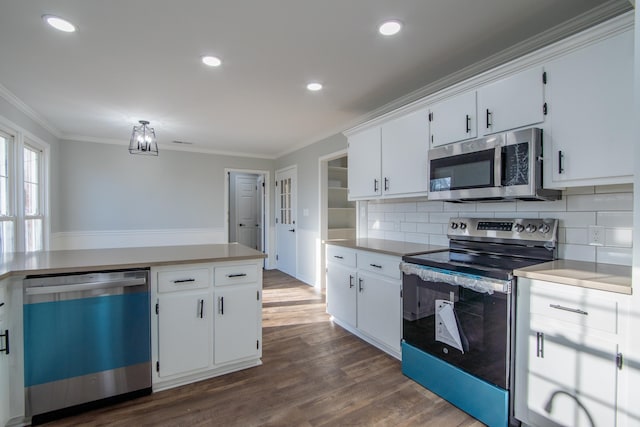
(184, 280)
(467, 122)
(569, 309)
(236, 275)
(375, 265)
(338, 256)
(6, 342)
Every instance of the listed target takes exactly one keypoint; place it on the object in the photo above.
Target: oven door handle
(499, 165)
(79, 287)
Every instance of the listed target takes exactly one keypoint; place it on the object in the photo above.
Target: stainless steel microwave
(498, 167)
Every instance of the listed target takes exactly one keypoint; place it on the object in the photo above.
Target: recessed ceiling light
(211, 61)
(314, 87)
(390, 28)
(59, 23)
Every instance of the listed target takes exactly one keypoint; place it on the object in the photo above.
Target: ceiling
(140, 59)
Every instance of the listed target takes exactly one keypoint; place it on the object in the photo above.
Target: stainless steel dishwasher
(87, 337)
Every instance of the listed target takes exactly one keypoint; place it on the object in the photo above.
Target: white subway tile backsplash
(601, 202)
(622, 256)
(575, 236)
(422, 221)
(618, 237)
(577, 252)
(615, 219)
(432, 206)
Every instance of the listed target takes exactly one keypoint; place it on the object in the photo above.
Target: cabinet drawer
(179, 280)
(584, 307)
(386, 265)
(235, 274)
(339, 254)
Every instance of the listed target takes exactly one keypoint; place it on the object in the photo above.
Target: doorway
(286, 239)
(247, 202)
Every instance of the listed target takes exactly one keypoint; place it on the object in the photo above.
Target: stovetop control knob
(544, 228)
(530, 228)
(463, 226)
(519, 228)
(454, 225)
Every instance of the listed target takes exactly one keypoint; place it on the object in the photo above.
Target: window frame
(20, 139)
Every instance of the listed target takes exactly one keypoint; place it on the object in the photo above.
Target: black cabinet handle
(375, 265)
(360, 287)
(540, 345)
(6, 342)
(237, 275)
(1, 304)
(184, 280)
(338, 256)
(375, 185)
(489, 124)
(468, 121)
(351, 281)
(386, 184)
(221, 305)
(202, 309)
(560, 162)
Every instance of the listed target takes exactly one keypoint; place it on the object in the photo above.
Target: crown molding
(168, 147)
(12, 99)
(591, 18)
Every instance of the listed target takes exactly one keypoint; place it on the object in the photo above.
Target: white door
(260, 221)
(286, 220)
(341, 292)
(453, 119)
(247, 210)
(379, 308)
(364, 164)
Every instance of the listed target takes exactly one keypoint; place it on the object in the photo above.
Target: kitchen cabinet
(512, 102)
(208, 320)
(390, 160)
(5, 338)
(364, 164)
(591, 115)
(569, 356)
(237, 315)
(405, 145)
(363, 295)
(453, 120)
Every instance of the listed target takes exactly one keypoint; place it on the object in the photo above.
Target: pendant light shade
(143, 140)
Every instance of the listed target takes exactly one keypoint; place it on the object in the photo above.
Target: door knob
(293, 230)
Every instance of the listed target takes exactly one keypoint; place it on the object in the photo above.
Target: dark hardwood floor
(314, 373)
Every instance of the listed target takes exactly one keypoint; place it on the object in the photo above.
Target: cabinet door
(236, 323)
(510, 103)
(364, 164)
(184, 332)
(405, 145)
(591, 113)
(453, 119)
(379, 309)
(4, 358)
(341, 293)
(572, 378)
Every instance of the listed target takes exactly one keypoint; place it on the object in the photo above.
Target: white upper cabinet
(405, 143)
(590, 98)
(364, 164)
(512, 102)
(390, 160)
(454, 119)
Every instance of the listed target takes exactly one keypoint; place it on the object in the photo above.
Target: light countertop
(52, 262)
(388, 247)
(606, 277)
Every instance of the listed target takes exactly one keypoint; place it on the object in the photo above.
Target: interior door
(247, 210)
(261, 210)
(286, 220)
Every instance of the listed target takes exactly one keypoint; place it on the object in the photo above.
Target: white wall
(609, 206)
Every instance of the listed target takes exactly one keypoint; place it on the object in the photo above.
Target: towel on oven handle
(480, 284)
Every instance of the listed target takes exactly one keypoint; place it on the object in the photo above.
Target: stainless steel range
(459, 311)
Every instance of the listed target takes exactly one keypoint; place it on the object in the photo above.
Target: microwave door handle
(499, 166)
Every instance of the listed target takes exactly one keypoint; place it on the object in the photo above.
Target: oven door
(465, 327)
(466, 170)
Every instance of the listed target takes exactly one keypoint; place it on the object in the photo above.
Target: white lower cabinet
(184, 344)
(4, 357)
(363, 295)
(236, 333)
(207, 320)
(569, 355)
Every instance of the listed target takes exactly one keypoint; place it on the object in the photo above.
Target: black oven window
(472, 170)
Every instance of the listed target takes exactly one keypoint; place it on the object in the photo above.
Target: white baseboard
(136, 238)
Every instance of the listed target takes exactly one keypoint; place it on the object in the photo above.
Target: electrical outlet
(596, 235)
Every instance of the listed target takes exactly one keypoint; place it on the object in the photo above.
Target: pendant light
(143, 140)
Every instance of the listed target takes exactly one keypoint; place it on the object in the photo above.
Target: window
(23, 210)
